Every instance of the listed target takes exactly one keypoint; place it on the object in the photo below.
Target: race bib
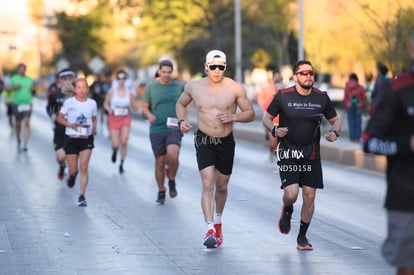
(24, 108)
(79, 132)
(121, 111)
(172, 122)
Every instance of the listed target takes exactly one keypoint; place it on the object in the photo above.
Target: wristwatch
(335, 132)
(274, 128)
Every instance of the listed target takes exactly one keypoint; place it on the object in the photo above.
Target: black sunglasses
(213, 67)
(121, 78)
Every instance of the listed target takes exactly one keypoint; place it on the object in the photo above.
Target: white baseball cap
(215, 55)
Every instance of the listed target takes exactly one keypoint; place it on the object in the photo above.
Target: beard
(306, 86)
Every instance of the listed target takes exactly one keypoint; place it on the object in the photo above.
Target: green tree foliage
(79, 37)
(340, 36)
(264, 25)
(167, 26)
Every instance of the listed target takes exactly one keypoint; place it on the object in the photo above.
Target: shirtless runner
(216, 99)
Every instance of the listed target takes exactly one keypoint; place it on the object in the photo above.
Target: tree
(78, 34)
(387, 29)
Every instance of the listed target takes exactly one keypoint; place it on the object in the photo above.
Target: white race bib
(79, 132)
(172, 122)
(24, 107)
(121, 111)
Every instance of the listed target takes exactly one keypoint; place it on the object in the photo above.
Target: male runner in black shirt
(300, 109)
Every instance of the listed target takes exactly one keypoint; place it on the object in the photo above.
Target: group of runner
(74, 110)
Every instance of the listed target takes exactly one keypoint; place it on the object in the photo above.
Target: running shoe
(82, 201)
(71, 181)
(173, 191)
(121, 169)
(284, 221)
(219, 234)
(161, 197)
(61, 173)
(304, 244)
(210, 240)
(113, 158)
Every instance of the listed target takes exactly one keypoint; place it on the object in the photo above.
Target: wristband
(274, 128)
(335, 132)
(179, 122)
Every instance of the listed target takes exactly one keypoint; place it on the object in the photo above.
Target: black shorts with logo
(215, 151)
(301, 171)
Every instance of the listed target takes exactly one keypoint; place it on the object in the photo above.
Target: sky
(16, 28)
(18, 10)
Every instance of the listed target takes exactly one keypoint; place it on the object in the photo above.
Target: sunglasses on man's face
(306, 72)
(213, 67)
(121, 78)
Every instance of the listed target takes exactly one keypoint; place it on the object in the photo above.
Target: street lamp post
(238, 41)
(301, 54)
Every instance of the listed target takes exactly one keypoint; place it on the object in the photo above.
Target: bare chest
(214, 99)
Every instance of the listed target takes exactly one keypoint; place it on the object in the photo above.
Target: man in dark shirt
(55, 101)
(390, 132)
(300, 109)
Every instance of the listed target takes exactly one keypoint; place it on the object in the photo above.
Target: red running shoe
(61, 173)
(284, 221)
(219, 234)
(210, 240)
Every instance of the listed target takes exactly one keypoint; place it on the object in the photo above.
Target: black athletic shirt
(54, 103)
(303, 116)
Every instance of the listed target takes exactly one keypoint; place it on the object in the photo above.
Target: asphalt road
(123, 231)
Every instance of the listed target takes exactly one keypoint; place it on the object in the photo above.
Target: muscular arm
(247, 113)
(336, 126)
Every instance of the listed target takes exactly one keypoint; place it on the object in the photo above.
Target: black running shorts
(76, 145)
(302, 171)
(215, 151)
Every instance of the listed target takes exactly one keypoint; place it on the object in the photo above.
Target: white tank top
(121, 101)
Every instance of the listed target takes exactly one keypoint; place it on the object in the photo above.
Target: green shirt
(161, 100)
(23, 95)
